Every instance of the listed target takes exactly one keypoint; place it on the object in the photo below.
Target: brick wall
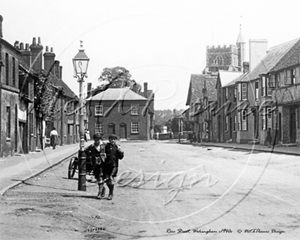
(118, 120)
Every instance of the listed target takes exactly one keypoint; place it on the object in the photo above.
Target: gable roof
(195, 89)
(117, 94)
(272, 58)
(210, 84)
(239, 78)
(291, 58)
(60, 83)
(227, 76)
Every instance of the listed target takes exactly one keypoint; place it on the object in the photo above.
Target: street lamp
(80, 64)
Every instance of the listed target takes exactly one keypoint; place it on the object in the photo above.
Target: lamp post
(80, 64)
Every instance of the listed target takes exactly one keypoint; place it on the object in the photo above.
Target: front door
(123, 133)
(111, 128)
(230, 127)
(219, 128)
(293, 125)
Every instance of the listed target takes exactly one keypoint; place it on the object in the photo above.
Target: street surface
(164, 190)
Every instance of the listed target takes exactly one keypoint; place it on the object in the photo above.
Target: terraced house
(257, 112)
(33, 97)
(285, 77)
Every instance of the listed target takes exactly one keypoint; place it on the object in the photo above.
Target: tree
(116, 77)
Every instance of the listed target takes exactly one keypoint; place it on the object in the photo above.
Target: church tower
(240, 43)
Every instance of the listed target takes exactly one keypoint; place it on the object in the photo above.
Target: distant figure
(151, 133)
(157, 135)
(53, 138)
(87, 135)
(268, 141)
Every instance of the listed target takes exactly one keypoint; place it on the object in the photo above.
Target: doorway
(111, 129)
(123, 131)
(293, 125)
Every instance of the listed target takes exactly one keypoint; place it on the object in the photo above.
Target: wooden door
(293, 125)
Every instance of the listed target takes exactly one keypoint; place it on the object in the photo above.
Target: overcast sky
(161, 42)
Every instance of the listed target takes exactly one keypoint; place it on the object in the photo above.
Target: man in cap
(114, 153)
(97, 152)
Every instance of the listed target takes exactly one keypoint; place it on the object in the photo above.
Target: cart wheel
(72, 167)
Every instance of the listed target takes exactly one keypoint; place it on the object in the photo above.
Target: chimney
(26, 54)
(60, 72)
(57, 69)
(146, 90)
(37, 51)
(17, 45)
(48, 60)
(245, 67)
(1, 20)
(89, 90)
(257, 51)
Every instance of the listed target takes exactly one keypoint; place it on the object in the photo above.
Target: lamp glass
(80, 64)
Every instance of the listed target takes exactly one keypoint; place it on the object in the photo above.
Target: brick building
(226, 99)
(23, 71)
(123, 112)
(201, 98)
(9, 95)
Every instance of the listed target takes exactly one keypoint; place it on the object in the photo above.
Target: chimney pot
(17, 45)
(27, 46)
(51, 49)
(34, 41)
(47, 49)
(146, 90)
(245, 67)
(89, 90)
(39, 41)
(21, 46)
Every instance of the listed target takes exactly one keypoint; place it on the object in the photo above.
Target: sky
(161, 42)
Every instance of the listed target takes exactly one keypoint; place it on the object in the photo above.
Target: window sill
(134, 133)
(8, 139)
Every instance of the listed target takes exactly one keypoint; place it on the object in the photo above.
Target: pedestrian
(53, 138)
(268, 141)
(114, 153)
(87, 135)
(151, 133)
(96, 152)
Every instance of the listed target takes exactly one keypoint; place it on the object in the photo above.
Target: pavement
(278, 149)
(17, 169)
